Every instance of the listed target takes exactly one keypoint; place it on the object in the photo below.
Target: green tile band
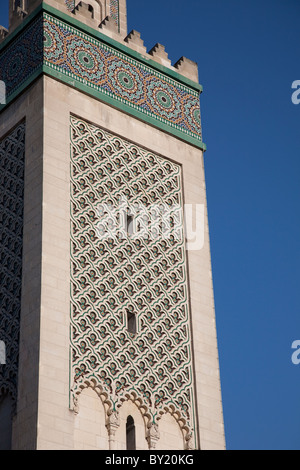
(49, 45)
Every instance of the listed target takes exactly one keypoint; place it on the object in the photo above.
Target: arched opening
(130, 434)
(130, 409)
(91, 10)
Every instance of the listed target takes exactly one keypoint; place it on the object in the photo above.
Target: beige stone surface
(90, 431)
(29, 107)
(62, 100)
(130, 409)
(44, 418)
(171, 436)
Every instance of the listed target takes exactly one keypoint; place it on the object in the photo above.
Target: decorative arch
(171, 433)
(90, 430)
(187, 434)
(98, 389)
(116, 414)
(108, 402)
(131, 411)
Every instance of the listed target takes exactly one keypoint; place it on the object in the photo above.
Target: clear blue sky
(248, 57)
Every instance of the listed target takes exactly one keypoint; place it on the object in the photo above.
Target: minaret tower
(107, 309)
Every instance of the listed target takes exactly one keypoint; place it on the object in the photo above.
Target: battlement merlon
(3, 33)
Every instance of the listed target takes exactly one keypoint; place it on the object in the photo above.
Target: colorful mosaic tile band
(114, 11)
(70, 4)
(59, 49)
(113, 73)
(145, 276)
(22, 58)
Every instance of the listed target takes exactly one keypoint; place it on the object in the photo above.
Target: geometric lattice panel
(12, 151)
(113, 278)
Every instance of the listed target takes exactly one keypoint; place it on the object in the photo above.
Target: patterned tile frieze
(12, 149)
(70, 4)
(22, 58)
(51, 45)
(112, 278)
(114, 9)
(115, 74)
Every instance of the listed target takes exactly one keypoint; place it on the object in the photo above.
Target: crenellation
(109, 17)
(160, 55)
(3, 33)
(134, 40)
(85, 13)
(85, 9)
(109, 27)
(188, 68)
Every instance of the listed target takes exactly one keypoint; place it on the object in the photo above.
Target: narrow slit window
(91, 10)
(130, 434)
(130, 224)
(131, 323)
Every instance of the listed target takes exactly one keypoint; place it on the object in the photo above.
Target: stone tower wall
(81, 374)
